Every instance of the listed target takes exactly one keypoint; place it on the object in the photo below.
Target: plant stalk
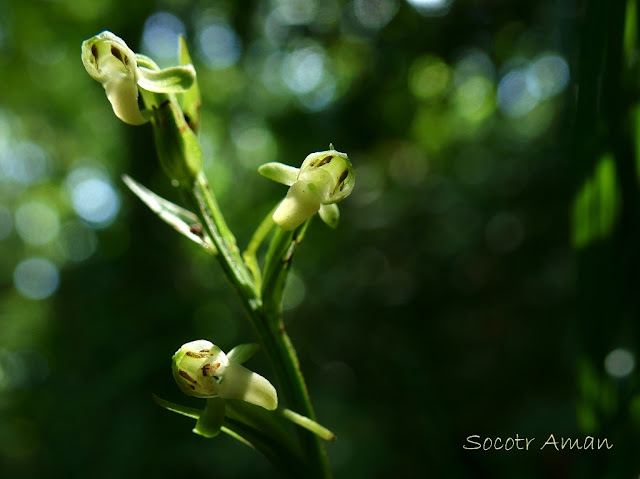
(265, 312)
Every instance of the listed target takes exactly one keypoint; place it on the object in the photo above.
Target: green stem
(250, 254)
(269, 317)
(265, 311)
(261, 296)
(214, 224)
(277, 264)
(282, 354)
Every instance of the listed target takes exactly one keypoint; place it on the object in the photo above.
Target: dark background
(484, 268)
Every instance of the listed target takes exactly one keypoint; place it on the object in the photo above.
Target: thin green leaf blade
(187, 411)
(190, 101)
(183, 221)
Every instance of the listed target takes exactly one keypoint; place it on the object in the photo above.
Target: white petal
(299, 204)
(240, 383)
(122, 92)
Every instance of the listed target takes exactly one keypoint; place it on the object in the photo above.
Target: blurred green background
(483, 280)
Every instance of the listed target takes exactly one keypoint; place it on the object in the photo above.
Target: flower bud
(202, 370)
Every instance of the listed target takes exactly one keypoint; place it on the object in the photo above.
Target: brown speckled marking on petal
(340, 184)
(200, 355)
(117, 53)
(325, 161)
(210, 369)
(185, 375)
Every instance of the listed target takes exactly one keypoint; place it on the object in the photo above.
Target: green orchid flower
(323, 179)
(109, 60)
(202, 370)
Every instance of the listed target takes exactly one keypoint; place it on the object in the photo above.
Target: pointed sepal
(330, 214)
(243, 352)
(280, 173)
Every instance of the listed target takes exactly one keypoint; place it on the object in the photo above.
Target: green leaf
(630, 33)
(182, 220)
(195, 414)
(596, 205)
(243, 352)
(176, 79)
(308, 424)
(190, 100)
(191, 412)
(263, 421)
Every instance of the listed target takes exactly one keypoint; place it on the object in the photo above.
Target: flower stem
(264, 308)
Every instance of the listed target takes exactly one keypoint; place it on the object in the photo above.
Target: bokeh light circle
(36, 278)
